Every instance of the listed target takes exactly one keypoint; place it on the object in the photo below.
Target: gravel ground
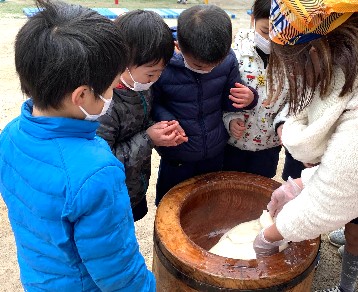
(11, 98)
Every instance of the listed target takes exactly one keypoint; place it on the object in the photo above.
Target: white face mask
(196, 70)
(137, 85)
(105, 108)
(262, 43)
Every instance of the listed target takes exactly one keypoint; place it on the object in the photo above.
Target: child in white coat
(254, 143)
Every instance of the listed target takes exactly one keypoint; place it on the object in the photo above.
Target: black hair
(261, 9)
(148, 37)
(63, 47)
(205, 33)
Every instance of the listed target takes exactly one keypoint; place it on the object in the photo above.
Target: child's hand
(163, 133)
(279, 132)
(180, 135)
(237, 128)
(285, 193)
(241, 95)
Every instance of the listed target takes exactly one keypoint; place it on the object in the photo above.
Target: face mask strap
(196, 70)
(131, 75)
(84, 111)
(104, 99)
(106, 105)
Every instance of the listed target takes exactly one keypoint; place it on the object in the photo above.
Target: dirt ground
(11, 99)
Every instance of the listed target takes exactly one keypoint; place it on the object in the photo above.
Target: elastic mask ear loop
(82, 109)
(131, 75)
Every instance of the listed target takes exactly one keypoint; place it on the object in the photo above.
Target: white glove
(285, 193)
(264, 248)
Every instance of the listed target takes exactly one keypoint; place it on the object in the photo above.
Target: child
(315, 45)
(254, 143)
(194, 89)
(65, 193)
(128, 127)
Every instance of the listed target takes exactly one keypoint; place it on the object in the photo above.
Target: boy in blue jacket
(199, 83)
(71, 217)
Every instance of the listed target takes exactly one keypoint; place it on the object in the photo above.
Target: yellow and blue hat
(295, 22)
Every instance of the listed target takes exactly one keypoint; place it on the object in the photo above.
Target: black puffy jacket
(124, 128)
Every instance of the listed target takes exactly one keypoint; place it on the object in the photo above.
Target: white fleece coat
(260, 122)
(326, 132)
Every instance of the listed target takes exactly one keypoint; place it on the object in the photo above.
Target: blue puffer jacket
(71, 217)
(197, 102)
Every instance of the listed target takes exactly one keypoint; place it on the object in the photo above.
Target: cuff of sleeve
(227, 118)
(277, 125)
(307, 173)
(147, 138)
(254, 102)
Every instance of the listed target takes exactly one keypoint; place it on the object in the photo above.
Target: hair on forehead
(148, 36)
(261, 9)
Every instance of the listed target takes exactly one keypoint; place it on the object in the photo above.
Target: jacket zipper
(201, 120)
(144, 181)
(144, 103)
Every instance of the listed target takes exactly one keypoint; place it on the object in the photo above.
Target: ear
(79, 95)
(176, 44)
(252, 22)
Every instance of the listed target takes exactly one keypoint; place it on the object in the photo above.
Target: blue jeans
(173, 172)
(262, 162)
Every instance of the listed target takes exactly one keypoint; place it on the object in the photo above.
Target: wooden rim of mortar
(203, 266)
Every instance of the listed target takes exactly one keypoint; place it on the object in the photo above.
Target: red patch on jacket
(121, 86)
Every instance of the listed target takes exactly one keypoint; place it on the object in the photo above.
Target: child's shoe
(341, 251)
(337, 237)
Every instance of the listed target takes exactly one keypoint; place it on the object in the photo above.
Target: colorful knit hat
(296, 22)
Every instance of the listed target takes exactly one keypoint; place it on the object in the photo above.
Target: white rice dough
(237, 243)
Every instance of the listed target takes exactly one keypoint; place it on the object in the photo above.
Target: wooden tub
(193, 216)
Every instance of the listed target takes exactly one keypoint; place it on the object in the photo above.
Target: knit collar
(55, 127)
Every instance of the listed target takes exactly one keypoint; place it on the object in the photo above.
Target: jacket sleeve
(109, 128)
(159, 112)
(329, 198)
(281, 117)
(126, 150)
(129, 152)
(229, 116)
(104, 233)
(234, 77)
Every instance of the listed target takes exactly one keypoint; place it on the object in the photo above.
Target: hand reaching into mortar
(268, 242)
(285, 193)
